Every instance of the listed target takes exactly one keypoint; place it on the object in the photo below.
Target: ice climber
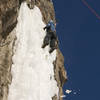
(50, 38)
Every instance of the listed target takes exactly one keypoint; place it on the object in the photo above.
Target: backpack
(52, 26)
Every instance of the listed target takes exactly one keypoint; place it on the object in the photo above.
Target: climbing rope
(91, 9)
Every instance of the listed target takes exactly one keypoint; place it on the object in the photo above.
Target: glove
(44, 28)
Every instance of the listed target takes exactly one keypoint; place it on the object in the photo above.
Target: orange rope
(91, 9)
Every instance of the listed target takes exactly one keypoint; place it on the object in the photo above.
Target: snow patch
(33, 70)
(68, 91)
(63, 96)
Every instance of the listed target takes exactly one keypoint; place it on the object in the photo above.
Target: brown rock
(8, 19)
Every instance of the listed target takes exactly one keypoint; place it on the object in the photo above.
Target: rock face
(9, 10)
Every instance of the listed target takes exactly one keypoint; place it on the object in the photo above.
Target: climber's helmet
(51, 21)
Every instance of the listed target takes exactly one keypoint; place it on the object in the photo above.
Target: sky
(78, 30)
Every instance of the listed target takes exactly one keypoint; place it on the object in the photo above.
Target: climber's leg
(46, 41)
(52, 45)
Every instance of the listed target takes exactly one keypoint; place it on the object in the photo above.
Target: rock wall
(8, 19)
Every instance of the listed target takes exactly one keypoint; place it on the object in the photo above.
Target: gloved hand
(44, 28)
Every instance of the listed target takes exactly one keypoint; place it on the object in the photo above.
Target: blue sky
(78, 30)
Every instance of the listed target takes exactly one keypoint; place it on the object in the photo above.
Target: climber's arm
(47, 26)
